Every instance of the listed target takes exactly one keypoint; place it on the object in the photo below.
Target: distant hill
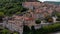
(52, 2)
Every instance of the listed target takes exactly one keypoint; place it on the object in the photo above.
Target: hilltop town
(38, 14)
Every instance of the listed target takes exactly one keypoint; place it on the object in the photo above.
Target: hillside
(52, 2)
(10, 7)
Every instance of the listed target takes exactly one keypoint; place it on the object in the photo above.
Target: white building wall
(54, 19)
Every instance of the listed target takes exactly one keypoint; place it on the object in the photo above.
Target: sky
(50, 0)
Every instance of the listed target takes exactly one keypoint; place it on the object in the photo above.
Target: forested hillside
(10, 7)
(51, 2)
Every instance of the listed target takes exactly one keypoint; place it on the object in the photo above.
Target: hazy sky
(50, 0)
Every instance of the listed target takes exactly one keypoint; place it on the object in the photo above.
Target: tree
(10, 7)
(38, 21)
(58, 19)
(15, 32)
(54, 13)
(18, 13)
(1, 14)
(49, 19)
(32, 28)
(26, 29)
(58, 14)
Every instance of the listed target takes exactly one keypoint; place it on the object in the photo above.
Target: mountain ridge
(53, 2)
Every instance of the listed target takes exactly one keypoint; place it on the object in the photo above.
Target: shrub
(16, 32)
(50, 28)
(38, 21)
(46, 29)
(49, 19)
(58, 19)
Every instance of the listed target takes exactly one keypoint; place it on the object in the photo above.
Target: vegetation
(6, 31)
(10, 7)
(50, 28)
(46, 29)
(58, 15)
(1, 14)
(15, 32)
(38, 21)
(58, 19)
(49, 19)
(26, 29)
(52, 2)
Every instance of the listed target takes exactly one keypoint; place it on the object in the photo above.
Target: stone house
(14, 23)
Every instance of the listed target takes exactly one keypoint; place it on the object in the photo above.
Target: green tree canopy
(38, 21)
(58, 14)
(1, 14)
(10, 7)
(26, 29)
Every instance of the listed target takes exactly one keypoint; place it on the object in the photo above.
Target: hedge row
(48, 29)
(45, 30)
